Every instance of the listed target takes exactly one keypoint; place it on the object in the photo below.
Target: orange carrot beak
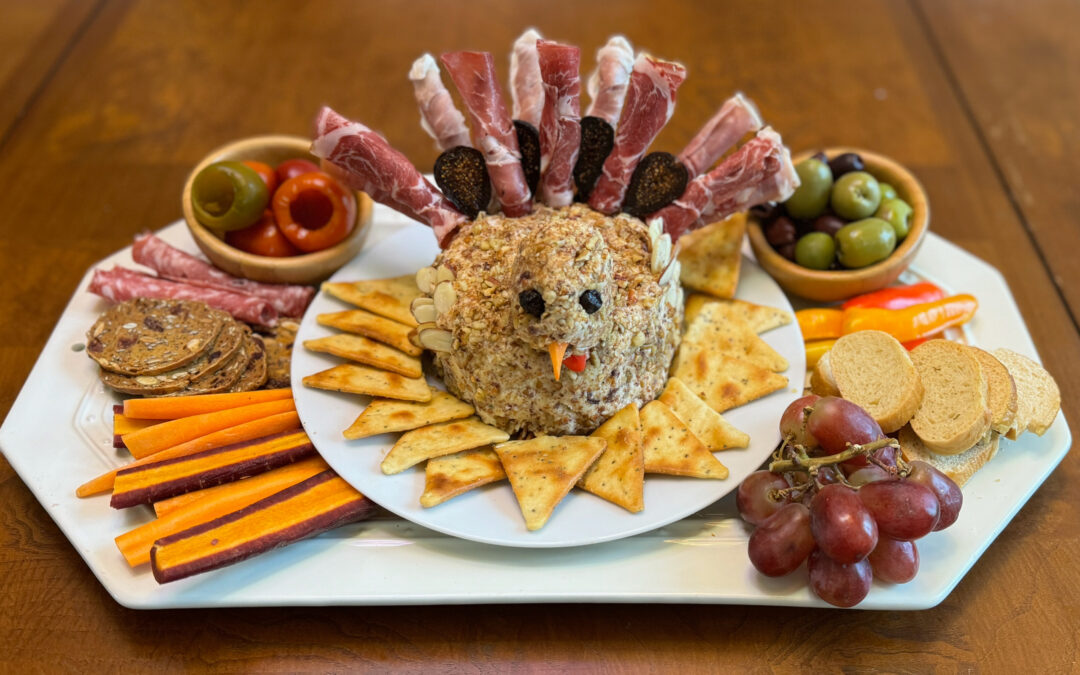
(557, 351)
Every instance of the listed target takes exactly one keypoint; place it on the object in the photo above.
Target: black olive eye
(590, 301)
(532, 302)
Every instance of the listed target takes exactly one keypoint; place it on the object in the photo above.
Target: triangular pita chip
(355, 379)
(383, 416)
(670, 447)
(715, 333)
(387, 297)
(705, 423)
(726, 382)
(453, 475)
(711, 256)
(372, 326)
(437, 440)
(543, 469)
(362, 350)
(759, 317)
(619, 474)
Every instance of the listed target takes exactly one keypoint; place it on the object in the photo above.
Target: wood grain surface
(104, 108)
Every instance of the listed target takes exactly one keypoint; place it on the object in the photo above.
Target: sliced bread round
(953, 414)
(960, 467)
(1001, 390)
(1037, 394)
(821, 379)
(871, 369)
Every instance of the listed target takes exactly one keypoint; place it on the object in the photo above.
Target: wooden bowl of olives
(853, 226)
(220, 197)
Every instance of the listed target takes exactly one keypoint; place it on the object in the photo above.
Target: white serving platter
(57, 435)
(491, 514)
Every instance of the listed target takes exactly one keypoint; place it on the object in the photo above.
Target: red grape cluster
(838, 496)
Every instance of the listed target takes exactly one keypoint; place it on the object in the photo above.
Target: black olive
(590, 301)
(846, 163)
(532, 302)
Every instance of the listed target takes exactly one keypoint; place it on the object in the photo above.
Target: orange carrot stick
(169, 477)
(272, 424)
(167, 434)
(213, 503)
(282, 477)
(171, 408)
(316, 505)
(125, 425)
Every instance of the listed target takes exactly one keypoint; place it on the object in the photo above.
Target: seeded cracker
(543, 469)
(437, 440)
(453, 475)
(383, 416)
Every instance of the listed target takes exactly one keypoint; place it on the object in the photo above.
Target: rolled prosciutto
(363, 160)
(176, 265)
(607, 84)
(759, 171)
(526, 86)
(492, 129)
(736, 117)
(439, 117)
(650, 101)
(560, 125)
(119, 284)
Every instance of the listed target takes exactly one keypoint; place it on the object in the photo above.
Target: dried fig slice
(658, 180)
(461, 173)
(529, 146)
(597, 140)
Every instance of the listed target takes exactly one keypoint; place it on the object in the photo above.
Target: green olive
(856, 195)
(887, 191)
(816, 250)
(897, 213)
(812, 195)
(228, 196)
(865, 242)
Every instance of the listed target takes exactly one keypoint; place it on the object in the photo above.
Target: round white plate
(490, 514)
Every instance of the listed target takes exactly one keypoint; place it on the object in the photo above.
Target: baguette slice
(1001, 390)
(1037, 394)
(873, 370)
(822, 381)
(961, 467)
(953, 414)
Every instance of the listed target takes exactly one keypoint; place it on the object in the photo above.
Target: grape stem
(800, 461)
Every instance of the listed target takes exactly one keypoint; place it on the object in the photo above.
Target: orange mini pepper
(314, 211)
(912, 323)
(820, 323)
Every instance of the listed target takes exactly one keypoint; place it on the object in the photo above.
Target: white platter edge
(701, 559)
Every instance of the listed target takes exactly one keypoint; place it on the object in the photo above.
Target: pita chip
(670, 447)
(619, 474)
(705, 423)
(373, 327)
(383, 416)
(714, 332)
(352, 378)
(386, 297)
(759, 317)
(452, 475)
(543, 469)
(362, 350)
(437, 440)
(710, 257)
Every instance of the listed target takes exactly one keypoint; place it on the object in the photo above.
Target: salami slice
(119, 284)
(560, 124)
(649, 104)
(173, 264)
(759, 171)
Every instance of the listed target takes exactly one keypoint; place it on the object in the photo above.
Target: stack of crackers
(722, 363)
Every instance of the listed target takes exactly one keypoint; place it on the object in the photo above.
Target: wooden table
(105, 105)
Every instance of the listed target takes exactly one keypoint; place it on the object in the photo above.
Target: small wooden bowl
(832, 285)
(308, 268)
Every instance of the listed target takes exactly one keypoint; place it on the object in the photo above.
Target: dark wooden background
(105, 106)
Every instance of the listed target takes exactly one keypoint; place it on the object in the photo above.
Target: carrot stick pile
(221, 471)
